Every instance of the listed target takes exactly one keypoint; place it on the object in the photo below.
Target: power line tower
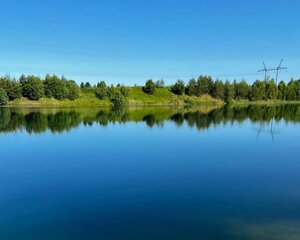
(278, 69)
(265, 70)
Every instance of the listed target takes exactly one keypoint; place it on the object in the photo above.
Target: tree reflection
(39, 121)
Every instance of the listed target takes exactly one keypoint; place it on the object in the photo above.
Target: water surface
(155, 173)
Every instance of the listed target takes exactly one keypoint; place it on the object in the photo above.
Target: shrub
(149, 87)
(118, 99)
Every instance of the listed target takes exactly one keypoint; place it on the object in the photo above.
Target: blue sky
(131, 41)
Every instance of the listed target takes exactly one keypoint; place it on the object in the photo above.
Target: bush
(149, 87)
(118, 99)
(3, 97)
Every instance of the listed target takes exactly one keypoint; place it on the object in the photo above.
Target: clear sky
(133, 40)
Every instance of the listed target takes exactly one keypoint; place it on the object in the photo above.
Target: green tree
(12, 87)
(178, 88)
(271, 90)
(149, 87)
(219, 90)
(258, 91)
(56, 88)
(32, 87)
(101, 91)
(298, 90)
(281, 91)
(73, 90)
(3, 97)
(291, 91)
(228, 92)
(191, 88)
(204, 85)
(242, 90)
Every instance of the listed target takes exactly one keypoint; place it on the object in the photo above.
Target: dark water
(155, 173)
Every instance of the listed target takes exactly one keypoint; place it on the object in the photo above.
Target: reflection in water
(38, 121)
(107, 182)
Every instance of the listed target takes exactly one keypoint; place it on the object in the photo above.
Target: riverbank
(136, 97)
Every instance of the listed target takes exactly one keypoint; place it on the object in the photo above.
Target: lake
(150, 173)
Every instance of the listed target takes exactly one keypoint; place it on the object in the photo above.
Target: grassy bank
(164, 97)
(136, 97)
(86, 100)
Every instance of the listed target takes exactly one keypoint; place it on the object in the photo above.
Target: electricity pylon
(278, 69)
(265, 70)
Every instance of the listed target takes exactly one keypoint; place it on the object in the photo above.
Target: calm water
(150, 174)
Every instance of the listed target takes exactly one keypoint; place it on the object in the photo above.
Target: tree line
(34, 88)
(60, 88)
(228, 91)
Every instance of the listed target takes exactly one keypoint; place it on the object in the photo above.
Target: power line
(110, 75)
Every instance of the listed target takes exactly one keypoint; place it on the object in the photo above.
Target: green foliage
(32, 87)
(149, 87)
(12, 87)
(118, 99)
(271, 90)
(60, 88)
(242, 90)
(3, 97)
(101, 91)
(55, 88)
(124, 91)
(291, 91)
(228, 92)
(111, 91)
(73, 90)
(258, 91)
(298, 90)
(191, 88)
(178, 88)
(219, 90)
(204, 85)
(281, 91)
